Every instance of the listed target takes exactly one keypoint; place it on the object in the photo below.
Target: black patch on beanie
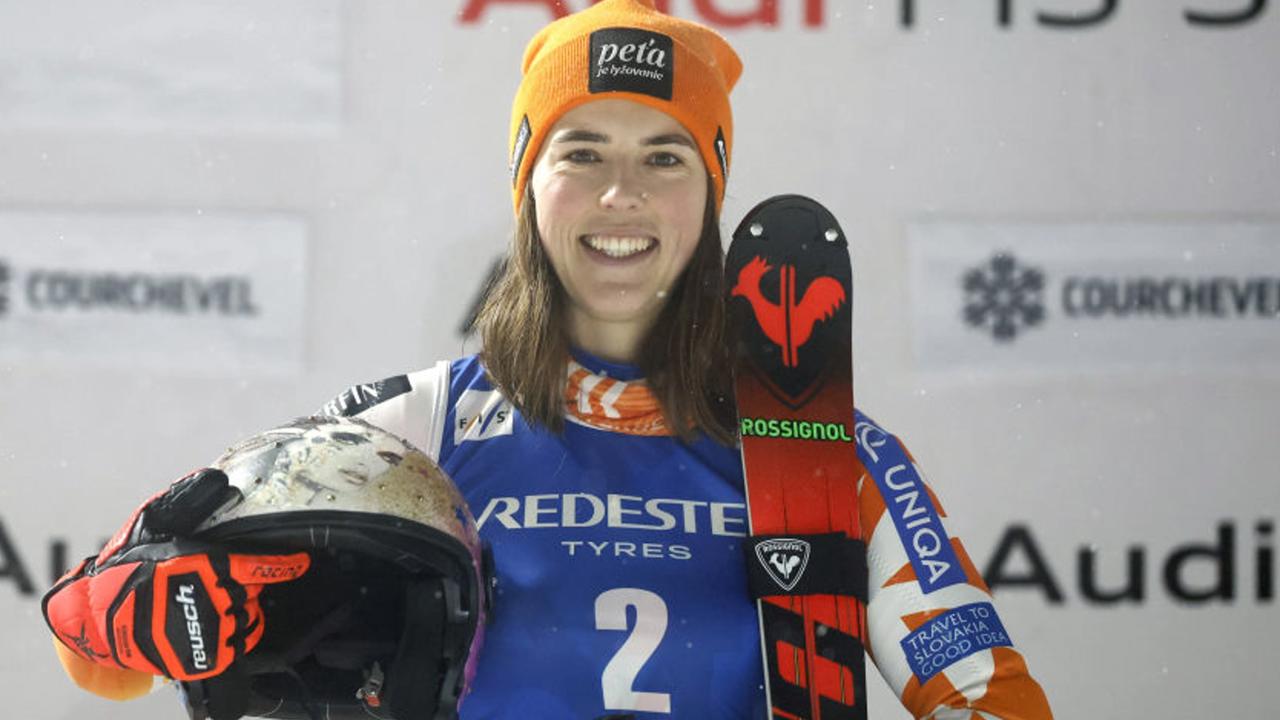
(631, 60)
(517, 152)
(722, 154)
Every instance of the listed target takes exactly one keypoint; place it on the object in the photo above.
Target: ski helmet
(388, 621)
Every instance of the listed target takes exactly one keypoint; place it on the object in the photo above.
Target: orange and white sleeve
(933, 629)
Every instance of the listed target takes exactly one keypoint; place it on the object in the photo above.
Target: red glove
(155, 602)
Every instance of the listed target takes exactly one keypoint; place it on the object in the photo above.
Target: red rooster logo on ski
(787, 323)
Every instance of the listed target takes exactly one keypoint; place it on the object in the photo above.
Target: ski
(790, 288)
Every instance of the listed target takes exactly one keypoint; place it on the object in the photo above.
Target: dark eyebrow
(670, 139)
(582, 136)
(592, 136)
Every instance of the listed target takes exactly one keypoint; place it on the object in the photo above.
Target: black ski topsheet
(790, 288)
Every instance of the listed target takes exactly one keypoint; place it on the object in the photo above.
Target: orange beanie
(626, 49)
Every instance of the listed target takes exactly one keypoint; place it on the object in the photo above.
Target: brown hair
(684, 357)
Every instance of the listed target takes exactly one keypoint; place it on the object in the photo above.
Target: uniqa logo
(907, 500)
(1003, 297)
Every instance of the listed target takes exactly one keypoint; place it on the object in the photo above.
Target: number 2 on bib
(618, 680)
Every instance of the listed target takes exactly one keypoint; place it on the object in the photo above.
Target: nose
(623, 192)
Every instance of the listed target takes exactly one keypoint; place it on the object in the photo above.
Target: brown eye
(582, 156)
(665, 159)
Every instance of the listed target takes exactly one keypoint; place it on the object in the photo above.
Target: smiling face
(620, 190)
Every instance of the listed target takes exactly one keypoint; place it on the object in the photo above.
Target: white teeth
(619, 247)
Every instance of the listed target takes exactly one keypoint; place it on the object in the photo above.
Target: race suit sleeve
(934, 632)
(412, 406)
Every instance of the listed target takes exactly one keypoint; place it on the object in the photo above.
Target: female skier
(593, 436)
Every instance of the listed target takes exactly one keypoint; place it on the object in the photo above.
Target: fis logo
(785, 559)
(480, 415)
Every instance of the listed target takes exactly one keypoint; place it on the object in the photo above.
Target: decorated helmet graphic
(388, 621)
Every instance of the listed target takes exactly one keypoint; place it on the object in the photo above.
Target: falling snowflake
(1004, 297)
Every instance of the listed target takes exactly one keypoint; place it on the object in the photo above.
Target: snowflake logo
(1004, 297)
(4, 287)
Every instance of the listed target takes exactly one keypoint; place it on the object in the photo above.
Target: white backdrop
(339, 168)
